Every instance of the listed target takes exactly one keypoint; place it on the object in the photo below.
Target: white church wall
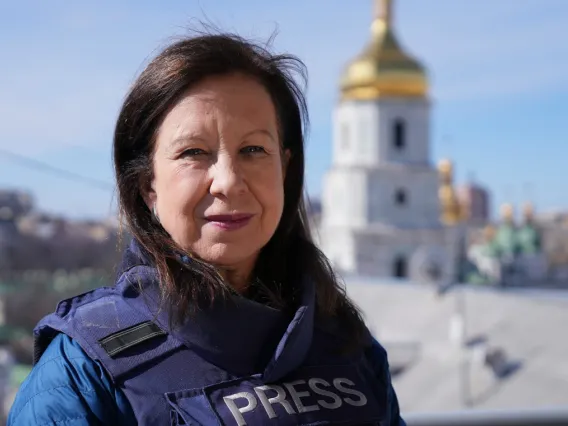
(419, 185)
(363, 132)
(344, 200)
(415, 114)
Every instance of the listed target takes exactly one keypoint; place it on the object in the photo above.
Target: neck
(238, 276)
(238, 280)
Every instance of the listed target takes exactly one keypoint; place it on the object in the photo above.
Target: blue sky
(498, 68)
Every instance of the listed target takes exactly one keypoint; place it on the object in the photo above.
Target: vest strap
(123, 338)
(129, 337)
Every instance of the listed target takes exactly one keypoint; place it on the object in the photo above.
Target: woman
(224, 310)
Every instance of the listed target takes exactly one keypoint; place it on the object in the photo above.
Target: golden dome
(384, 69)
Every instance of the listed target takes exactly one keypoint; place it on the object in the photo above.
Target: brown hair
(290, 256)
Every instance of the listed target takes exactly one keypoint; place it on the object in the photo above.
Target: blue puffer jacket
(67, 388)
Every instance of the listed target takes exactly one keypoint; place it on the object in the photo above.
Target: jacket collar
(240, 335)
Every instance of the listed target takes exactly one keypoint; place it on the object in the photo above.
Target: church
(387, 211)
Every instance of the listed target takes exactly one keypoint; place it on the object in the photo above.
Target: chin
(222, 254)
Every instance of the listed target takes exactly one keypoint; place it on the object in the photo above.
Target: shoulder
(66, 386)
(377, 357)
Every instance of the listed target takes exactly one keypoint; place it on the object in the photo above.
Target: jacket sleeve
(379, 361)
(67, 387)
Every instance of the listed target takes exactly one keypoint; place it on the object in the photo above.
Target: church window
(399, 134)
(400, 267)
(400, 197)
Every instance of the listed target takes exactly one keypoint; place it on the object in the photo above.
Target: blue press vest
(238, 363)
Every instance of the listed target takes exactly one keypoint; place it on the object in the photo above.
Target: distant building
(510, 254)
(32, 240)
(476, 204)
(14, 204)
(554, 228)
(380, 210)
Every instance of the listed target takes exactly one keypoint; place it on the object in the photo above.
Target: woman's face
(218, 186)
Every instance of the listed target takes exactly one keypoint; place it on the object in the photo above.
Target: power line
(34, 164)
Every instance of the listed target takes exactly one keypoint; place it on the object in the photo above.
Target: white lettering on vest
(280, 398)
(297, 397)
(238, 412)
(313, 384)
(338, 384)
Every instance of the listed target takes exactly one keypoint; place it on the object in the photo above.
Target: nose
(226, 177)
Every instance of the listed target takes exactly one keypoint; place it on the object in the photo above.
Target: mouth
(229, 221)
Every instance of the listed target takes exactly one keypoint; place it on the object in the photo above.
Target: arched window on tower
(400, 267)
(400, 197)
(399, 134)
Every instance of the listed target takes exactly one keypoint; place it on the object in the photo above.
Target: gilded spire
(383, 11)
(384, 69)
(451, 209)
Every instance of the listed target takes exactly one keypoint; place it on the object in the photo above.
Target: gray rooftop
(523, 331)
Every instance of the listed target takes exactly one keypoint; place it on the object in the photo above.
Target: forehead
(235, 99)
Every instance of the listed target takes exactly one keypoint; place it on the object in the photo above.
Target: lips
(229, 222)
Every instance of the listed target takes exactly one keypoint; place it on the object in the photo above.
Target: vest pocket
(322, 395)
(190, 407)
(176, 419)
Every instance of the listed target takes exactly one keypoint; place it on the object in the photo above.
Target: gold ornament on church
(384, 69)
(507, 212)
(452, 211)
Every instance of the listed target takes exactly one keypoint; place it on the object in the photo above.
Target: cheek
(179, 192)
(270, 189)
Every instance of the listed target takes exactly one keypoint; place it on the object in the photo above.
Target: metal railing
(549, 417)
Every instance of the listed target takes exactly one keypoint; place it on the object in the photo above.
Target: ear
(286, 155)
(148, 192)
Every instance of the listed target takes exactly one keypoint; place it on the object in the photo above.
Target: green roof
(529, 239)
(511, 241)
(506, 240)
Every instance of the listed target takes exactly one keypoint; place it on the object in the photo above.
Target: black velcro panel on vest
(132, 336)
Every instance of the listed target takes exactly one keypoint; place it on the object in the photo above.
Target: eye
(253, 150)
(193, 152)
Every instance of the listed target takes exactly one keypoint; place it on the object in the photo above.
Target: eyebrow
(261, 131)
(180, 140)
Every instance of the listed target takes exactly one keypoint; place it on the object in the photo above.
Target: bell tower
(381, 178)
